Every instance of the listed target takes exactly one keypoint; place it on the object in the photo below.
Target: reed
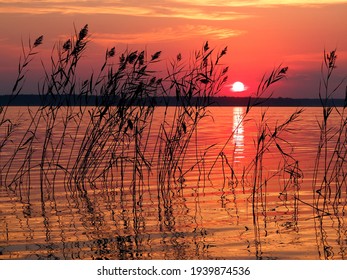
(193, 85)
(270, 142)
(331, 150)
(113, 153)
(10, 126)
(113, 149)
(329, 177)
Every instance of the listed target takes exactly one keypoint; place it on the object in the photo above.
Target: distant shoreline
(73, 100)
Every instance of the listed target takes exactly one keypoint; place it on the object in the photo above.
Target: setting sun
(238, 87)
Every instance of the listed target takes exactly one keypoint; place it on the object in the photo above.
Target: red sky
(259, 34)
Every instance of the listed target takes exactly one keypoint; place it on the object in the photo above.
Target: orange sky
(259, 34)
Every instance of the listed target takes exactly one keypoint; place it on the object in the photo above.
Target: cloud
(168, 34)
(259, 3)
(314, 59)
(159, 9)
(186, 9)
(305, 57)
(70, 7)
(202, 9)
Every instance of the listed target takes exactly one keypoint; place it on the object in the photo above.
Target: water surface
(209, 209)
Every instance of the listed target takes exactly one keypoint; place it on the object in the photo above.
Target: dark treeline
(72, 100)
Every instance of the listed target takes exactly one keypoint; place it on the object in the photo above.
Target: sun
(238, 87)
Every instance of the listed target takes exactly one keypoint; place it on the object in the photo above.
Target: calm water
(215, 209)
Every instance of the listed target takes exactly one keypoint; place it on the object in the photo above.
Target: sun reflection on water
(194, 218)
(238, 136)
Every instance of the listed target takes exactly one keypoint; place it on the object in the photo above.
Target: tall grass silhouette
(114, 149)
(329, 178)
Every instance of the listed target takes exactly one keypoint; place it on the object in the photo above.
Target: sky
(259, 34)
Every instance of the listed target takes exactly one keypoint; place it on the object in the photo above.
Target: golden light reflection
(238, 136)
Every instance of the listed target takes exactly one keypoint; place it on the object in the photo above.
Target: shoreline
(74, 100)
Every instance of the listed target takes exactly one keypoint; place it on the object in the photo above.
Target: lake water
(202, 196)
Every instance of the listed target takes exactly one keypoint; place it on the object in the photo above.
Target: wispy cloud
(187, 9)
(313, 58)
(202, 9)
(259, 3)
(151, 8)
(168, 34)
(67, 7)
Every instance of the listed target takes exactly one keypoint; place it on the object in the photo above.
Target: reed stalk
(112, 147)
(329, 176)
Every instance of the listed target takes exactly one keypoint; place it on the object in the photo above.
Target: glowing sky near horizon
(259, 34)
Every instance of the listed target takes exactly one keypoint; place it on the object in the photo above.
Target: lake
(160, 185)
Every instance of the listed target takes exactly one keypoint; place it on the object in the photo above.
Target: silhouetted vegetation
(104, 135)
